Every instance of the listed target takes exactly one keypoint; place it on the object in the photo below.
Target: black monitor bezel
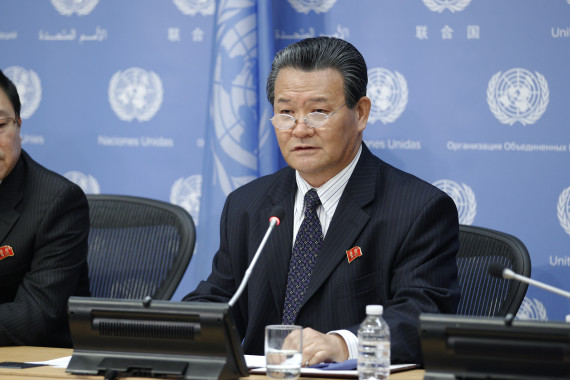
(493, 348)
(192, 340)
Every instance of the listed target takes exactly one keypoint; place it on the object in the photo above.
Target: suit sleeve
(220, 285)
(38, 314)
(229, 262)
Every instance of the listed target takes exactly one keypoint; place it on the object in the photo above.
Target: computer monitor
(187, 340)
(460, 347)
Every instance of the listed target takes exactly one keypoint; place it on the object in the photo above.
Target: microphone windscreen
(277, 212)
(496, 270)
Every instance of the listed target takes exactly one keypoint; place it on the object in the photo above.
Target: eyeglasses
(313, 119)
(5, 121)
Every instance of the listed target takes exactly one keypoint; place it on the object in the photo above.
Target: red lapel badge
(6, 251)
(353, 253)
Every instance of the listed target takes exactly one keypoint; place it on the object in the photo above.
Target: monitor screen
(189, 340)
(490, 348)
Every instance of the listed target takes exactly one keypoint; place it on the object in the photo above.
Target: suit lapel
(11, 193)
(347, 223)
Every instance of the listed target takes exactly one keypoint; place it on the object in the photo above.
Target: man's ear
(363, 111)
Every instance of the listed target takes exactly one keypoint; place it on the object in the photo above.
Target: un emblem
(563, 209)
(441, 5)
(87, 182)
(317, 6)
(532, 309)
(389, 95)
(191, 7)
(186, 193)
(517, 95)
(29, 88)
(464, 199)
(69, 7)
(135, 93)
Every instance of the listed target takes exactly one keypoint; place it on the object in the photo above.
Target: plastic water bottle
(373, 346)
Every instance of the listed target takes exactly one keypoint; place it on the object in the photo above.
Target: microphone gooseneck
(277, 214)
(498, 270)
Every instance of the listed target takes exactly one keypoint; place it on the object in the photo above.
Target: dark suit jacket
(407, 231)
(45, 219)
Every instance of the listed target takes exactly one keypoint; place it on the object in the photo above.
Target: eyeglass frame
(9, 118)
(304, 118)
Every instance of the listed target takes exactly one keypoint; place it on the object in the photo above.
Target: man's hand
(319, 347)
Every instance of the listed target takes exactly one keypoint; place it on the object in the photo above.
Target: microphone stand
(509, 274)
(273, 221)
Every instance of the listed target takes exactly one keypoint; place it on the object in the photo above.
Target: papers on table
(57, 363)
(256, 365)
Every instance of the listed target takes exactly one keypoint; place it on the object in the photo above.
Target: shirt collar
(330, 192)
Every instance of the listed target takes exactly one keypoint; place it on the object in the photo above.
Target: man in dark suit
(44, 223)
(382, 236)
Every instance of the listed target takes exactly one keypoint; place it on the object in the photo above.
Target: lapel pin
(353, 253)
(6, 251)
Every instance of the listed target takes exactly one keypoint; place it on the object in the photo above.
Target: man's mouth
(303, 148)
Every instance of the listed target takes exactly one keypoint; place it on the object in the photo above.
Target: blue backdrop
(165, 99)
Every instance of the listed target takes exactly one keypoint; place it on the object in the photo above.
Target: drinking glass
(283, 351)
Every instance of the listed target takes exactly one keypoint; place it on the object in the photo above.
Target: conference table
(36, 354)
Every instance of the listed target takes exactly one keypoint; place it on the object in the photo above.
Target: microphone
(277, 213)
(498, 270)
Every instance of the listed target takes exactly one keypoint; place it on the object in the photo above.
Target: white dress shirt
(329, 194)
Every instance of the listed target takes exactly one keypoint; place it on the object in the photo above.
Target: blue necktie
(303, 258)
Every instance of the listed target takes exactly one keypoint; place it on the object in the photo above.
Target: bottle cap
(374, 309)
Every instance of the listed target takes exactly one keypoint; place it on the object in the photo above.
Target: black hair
(320, 53)
(11, 92)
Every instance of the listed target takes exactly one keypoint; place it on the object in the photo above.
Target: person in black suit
(387, 237)
(44, 224)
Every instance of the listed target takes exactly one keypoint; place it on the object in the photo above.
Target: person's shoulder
(262, 191)
(413, 180)
(50, 182)
(404, 179)
(267, 182)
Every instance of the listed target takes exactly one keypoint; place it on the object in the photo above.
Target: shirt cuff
(351, 342)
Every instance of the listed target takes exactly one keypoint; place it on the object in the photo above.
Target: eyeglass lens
(313, 119)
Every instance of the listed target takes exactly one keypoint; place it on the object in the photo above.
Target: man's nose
(301, 129)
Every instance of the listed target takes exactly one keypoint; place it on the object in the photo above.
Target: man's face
(318, 154)
(10, 142)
